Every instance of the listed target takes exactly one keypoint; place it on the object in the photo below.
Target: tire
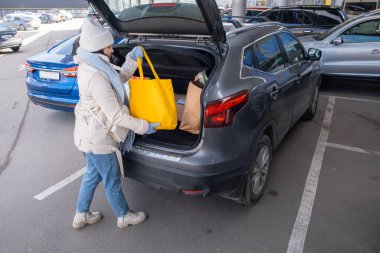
(22, 28)
(312, 109)
(16, 49)
(257, 172)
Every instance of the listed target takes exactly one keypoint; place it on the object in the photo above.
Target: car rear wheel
(258, 172)
(310, 113)
(16, 49)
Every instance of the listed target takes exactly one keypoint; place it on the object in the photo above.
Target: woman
(103, 122)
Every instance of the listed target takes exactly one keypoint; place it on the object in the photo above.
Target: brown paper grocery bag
(191, 114)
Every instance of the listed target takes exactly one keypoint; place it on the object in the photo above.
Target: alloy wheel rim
(260, 170)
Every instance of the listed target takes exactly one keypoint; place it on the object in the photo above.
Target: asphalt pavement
(322, 194)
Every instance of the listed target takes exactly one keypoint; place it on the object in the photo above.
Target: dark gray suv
(305, 19)
(260, 83)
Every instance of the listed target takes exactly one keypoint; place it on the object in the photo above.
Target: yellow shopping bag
(153, 100)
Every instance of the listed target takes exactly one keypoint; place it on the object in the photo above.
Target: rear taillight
(221, 112)
(28, 67)
(70, 72)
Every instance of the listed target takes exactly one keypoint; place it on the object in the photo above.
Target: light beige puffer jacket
(98, 107)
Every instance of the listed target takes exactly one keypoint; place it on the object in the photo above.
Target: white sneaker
(81, 219)
(131, 218)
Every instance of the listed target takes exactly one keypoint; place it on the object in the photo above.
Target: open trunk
(181, 65)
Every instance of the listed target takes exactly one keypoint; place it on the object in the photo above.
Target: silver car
(21, 21)
(351, 49)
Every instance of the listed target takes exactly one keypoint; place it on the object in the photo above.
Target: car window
(142, 9)
(67, 47)
(248, 57)
(307, 20)
(326, 17)
(292, 17)
(368, 31)
(324, 35)
(357, 8)
(252, 12)
(272, 15)
(293, 49)
(269, 55)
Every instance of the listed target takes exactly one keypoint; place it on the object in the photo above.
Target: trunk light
(220, 113)
(70, 72)
(28, 67)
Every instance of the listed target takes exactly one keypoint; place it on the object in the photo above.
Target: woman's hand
(151, 129)
(136, 53)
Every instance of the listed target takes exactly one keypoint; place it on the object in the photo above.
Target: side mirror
(314, 54)
(337, 41)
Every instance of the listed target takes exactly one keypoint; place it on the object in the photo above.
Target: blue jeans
(106, 168)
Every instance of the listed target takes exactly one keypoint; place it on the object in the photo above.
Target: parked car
(250, 11)
(51, 76)
(351, 49)
(260, 82)
(48, 18)
(9, 38)
(68, 15)
(21, 21)
(306, 20)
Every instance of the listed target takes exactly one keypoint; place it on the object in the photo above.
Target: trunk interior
(181, 65)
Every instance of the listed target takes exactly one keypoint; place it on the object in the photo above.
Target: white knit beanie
(94, 36)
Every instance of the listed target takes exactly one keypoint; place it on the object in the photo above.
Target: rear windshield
(68, 47)
(326, 17)
(357, 8)
(141, 9)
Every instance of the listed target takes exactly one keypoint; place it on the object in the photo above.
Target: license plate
(49, 75)
(6, 37)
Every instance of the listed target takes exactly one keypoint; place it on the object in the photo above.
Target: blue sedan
(51, 77)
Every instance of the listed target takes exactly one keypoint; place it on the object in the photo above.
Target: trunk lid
(192, 18)
(51, 73)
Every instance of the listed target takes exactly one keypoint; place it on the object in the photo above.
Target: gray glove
(151, 129)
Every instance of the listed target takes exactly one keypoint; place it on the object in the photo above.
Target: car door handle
(375, 51)
(307, 31)
(298, 79)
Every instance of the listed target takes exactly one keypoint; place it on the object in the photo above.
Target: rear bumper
(198, 181)
(57, 103)
(11, 43)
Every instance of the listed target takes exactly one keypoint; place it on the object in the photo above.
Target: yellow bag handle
(139, 65)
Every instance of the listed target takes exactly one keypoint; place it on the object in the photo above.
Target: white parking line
(60, 184)
(354, 149)
(353, 99)
(297, 239)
